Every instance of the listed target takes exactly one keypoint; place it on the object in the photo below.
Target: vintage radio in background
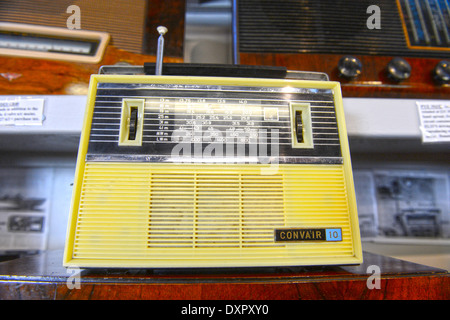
(201, 171)
(130, 27)
(407, 56)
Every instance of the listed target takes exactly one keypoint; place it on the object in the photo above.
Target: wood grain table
(42, 276)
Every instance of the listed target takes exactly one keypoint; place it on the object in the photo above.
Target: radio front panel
(212, 172)
(208, 119)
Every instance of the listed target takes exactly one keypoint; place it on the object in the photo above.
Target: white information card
(434, 121)
(21, 112)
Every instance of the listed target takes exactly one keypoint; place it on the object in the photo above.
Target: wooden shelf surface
(42, 276)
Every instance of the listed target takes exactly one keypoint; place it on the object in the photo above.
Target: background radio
(41, 55)
(405, 55)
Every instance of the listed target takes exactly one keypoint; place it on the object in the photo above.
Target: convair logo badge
(286, 235)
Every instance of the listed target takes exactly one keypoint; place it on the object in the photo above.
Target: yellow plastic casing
(151, 215)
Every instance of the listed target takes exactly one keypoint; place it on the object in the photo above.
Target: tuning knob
(441, 73)
(398, 69)
(349, 67)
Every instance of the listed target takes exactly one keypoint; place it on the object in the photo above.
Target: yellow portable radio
(212, 171)
(184, 171)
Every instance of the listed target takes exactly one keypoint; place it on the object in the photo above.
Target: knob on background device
(398, 69)
(349, 67)
(441, 73)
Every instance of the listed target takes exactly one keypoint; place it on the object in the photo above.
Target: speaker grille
(210, 215)
(202, 210)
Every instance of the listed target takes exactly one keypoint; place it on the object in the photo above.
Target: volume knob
(349, 67)
(398, 69)
(441, 73)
